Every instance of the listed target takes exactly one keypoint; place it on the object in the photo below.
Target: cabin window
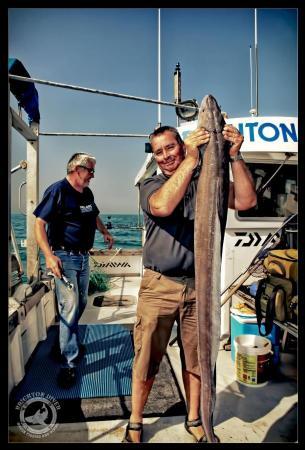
(279, 198)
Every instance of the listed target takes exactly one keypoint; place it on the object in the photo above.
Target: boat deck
(266, 413)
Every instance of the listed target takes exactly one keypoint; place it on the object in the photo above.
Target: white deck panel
(121, 288)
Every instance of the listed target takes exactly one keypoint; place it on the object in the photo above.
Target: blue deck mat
(104, 371)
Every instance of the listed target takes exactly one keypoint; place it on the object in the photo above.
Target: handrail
(19, 198)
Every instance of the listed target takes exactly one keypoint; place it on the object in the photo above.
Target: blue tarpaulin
(25, 92)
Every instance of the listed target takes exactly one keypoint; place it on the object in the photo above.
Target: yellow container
(252, 359)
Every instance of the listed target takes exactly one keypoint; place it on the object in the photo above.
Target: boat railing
(117, 262)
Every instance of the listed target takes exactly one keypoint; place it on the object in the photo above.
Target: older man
(71, 216)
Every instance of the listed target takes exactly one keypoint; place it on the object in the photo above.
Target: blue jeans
(71, 303)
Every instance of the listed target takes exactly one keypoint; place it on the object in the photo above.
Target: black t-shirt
(169, 243)
(71, 216)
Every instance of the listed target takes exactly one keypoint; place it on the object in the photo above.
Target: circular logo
(37, 414)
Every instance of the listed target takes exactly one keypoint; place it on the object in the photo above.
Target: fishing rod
(254, 264)
(261, 189)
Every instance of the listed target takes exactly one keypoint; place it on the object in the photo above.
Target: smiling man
(167, 292)
(66, 220)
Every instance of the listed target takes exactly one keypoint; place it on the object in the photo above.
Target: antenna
(159, 67)
(254, 110)
(177, 88)
(256, 57)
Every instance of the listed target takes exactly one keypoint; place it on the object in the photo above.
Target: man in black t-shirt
(66, 220)
(167, 292)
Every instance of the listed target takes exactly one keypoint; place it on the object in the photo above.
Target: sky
(116, 49)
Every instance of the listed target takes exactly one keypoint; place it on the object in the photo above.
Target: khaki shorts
(162, 300)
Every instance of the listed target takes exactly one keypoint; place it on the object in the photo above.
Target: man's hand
(54, 264)
(108, 238)
(232, 134)
(193, 141)
(104, 231)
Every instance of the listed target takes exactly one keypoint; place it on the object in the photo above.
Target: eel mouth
(210, 102)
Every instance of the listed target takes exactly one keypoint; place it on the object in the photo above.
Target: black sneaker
(66, 377)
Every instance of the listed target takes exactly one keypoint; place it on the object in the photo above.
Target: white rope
(108, 260)
(117, 251)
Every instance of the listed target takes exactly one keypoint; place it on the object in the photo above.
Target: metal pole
(98, 91)
(159, 67)
(55, 133)
(139, 207)
(9, 249)
(256, 57)
(32, 177)
(177, 88)
(19, 198)
(251, 86)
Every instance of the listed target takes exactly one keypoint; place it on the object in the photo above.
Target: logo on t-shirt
(86, 208)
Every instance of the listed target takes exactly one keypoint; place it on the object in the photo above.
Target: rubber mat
(104, 371)
(165, 399)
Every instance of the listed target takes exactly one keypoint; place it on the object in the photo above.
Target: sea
(125, 228)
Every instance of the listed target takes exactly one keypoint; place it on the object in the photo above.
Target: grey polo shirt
(169, 245)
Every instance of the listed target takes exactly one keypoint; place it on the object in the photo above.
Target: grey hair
(79, 159)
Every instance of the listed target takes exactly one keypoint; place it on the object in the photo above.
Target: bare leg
(140, 392)
(192, 391)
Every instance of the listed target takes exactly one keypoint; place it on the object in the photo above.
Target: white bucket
(252, 359)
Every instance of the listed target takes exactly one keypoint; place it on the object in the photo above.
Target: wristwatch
(236, 157)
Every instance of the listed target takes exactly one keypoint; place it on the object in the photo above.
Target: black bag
(272, 298)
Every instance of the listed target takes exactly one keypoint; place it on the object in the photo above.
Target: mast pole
(256, 58)
(177, 88)
(251, 84)
(159, 67)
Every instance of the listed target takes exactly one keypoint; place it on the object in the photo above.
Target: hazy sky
(117, 50)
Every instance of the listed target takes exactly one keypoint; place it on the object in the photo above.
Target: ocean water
(124, 230)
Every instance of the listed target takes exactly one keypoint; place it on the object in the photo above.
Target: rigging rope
(98, 91)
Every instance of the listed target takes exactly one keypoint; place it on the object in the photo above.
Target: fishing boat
(97, 409)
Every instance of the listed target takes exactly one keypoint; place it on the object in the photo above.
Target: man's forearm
(100, 226)
(163, 202)
(244, 195)
(107, 236)
(41, 238)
